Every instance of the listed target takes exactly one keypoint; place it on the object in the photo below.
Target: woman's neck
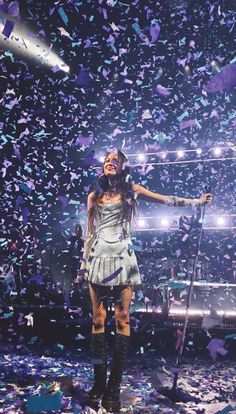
(112, 185)
(112, 190)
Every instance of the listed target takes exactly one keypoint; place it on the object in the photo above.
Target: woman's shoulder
(90, 199)
(91, 195)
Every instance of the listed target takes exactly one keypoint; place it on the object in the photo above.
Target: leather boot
(111, 396)
(98, 348)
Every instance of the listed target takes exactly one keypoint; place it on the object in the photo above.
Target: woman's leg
(111, 396)
(123, 296)
(98, 344)
(99, 310)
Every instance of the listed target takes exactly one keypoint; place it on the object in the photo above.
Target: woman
(111, 266)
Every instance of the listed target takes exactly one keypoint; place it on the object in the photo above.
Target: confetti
(147, 78)
(224, 81)
(63, 15)
(112, 276)
(37, 403)
(8, 28)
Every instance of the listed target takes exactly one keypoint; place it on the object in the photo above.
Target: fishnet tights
(122, 297)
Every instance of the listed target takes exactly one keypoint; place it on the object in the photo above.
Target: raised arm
(147, 195)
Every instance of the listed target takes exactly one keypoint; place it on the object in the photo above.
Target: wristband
(198, 202)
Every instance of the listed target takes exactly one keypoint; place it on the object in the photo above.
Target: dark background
(55, 126)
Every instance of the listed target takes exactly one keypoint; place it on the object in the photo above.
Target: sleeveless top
(111, 259)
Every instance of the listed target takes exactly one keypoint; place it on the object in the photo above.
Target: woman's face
(112, 165)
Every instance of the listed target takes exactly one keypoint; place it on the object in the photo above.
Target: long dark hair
(124, 187)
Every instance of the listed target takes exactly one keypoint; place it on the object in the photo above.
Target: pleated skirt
(113, 263)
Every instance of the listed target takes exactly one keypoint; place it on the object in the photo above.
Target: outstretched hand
(206, 198)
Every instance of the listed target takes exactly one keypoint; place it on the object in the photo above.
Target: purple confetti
(216, 346)
(112, 276)
(36, 278)
(223, 81)
(187, 124)
(154, 30)
(83, 78)
(8, 28)
(162, 90)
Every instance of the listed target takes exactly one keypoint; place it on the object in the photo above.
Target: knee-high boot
(111, 396)
(98, 348)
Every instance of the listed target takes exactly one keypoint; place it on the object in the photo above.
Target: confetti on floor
(63, 379)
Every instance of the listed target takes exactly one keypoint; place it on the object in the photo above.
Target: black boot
(111, 396)
(98, 347)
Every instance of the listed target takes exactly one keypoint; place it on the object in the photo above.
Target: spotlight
(198, 151)
(220, 221)
(65, 68)
(180, 153)
(141, 157)
(102, 158)
(164, 222)
(141, 223)
(163, 155)
(215, 66)
(23, 41)
(217, 151)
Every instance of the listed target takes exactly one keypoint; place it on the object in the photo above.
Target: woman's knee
(122, 319)
(99, 320)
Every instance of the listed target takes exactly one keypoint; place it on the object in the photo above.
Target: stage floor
(51, 372)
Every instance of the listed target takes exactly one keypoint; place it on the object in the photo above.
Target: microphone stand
(174, 393)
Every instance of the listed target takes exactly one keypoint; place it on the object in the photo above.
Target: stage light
(217, 151)
(182, 312)
(198, 151)
(164, 222)
(24, 41)
(102, 158)
(65, 68)
(141, 157)
(220, 221)
(163, 155)
(141, 223)
(215, 66)
(199, 312)
(180, 153)
(193, 312)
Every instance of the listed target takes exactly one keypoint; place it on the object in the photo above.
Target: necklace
(112, 193)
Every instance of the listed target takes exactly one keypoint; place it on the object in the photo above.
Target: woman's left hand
(206, 198)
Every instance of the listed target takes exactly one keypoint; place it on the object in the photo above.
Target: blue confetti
(39, 403)
(63, 15)
(25, 188)
(135, 247)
